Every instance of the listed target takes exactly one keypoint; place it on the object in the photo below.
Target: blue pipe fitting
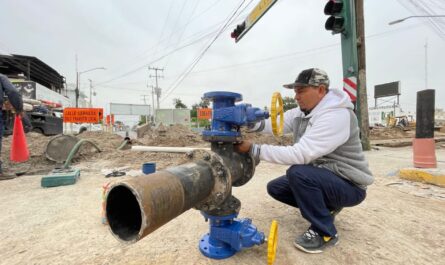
(228, 235)
(228, 117)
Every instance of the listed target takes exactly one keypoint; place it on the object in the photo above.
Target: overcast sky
(126, 37)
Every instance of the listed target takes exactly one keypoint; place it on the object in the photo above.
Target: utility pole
(76, 91)
(145, 103)
(143, 98)
(157, 88)
(91, 93)
(152, 100)
(362, 93)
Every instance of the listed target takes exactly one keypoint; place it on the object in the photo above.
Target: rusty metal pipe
(138, 206)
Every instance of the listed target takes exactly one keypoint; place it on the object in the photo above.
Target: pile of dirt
(385, 133)
(104, 140)
(109, 143)
(173, 135)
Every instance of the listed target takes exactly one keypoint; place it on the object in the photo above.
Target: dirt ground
(400, 222)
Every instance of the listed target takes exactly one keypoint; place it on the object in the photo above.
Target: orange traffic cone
(19, 148)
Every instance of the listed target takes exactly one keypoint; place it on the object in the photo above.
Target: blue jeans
(316, 192)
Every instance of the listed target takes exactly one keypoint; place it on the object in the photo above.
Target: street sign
(82, 115)
(260, 9)
(110, 119)
(204, 114)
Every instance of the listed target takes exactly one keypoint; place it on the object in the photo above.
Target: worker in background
(328, 170)
(14, 97)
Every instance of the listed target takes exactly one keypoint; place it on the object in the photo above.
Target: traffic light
(238, 30)
(338, 16)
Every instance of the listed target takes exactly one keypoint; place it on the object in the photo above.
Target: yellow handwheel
(272, 241)
(275, 110)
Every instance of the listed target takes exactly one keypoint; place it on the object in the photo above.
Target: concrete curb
(431, 176)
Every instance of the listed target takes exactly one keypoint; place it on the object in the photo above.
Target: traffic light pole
(346, 18)
(354, 63)
(362, 99)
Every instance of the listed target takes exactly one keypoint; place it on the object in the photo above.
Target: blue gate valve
(228, 117)
(229, 235)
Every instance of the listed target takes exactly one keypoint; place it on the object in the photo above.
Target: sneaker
(311, 242)
(5, 176)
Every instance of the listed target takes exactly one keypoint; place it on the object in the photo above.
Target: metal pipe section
(138, 206)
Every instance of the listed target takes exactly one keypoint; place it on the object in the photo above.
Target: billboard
(387, 90)
(26, 88)
(173, 116)
(129, 109)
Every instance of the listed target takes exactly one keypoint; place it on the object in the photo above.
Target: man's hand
(20, 114)
(243, 147)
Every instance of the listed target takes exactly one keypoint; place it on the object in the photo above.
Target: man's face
(308, 97)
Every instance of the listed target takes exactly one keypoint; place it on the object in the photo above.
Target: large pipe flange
(247, 164)
(223, 179)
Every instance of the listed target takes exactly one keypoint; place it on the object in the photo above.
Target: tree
(178, 104)
(205, 103)
(194, 111)
(289, 103)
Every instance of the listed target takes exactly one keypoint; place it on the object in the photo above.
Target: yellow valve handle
(275, 110)
(272, 241)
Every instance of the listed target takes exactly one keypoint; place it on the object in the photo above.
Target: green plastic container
(61, 177)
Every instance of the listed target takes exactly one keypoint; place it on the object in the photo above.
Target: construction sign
(82, 115)
(204, 114)
(110, 119)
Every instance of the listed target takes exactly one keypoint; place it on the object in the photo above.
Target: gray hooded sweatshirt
(327, 137)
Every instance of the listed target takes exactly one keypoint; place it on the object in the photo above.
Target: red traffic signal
(336, 21)
(238, 30)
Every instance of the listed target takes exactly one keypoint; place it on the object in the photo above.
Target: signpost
(260, 9)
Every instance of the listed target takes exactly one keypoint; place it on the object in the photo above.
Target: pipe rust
(138, 206)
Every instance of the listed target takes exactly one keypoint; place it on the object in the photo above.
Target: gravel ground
(399, 223)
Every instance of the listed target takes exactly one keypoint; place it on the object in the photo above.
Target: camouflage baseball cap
(310, 77)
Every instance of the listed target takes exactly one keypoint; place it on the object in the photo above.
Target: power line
(154, 61)
(163, 28)
(184, 29)
(195, 62)
(197, 40)
(292, 55)
(268, 59)
(423, 7)
(177, 20)
(154, 49)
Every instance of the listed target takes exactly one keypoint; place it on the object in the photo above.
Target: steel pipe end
(123, 213)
